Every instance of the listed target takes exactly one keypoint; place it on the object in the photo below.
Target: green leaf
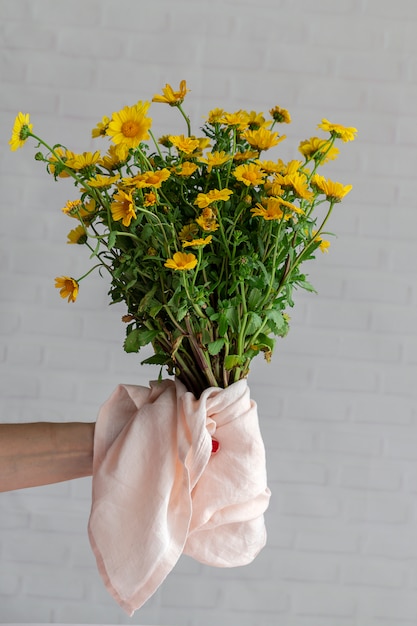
(277, 319)
(232, 360)
(263, 341)
(304, 284)
(254, 299)
(138, 338)
(223, 324)
(157, 359)
(112, 239)
(214, 347)
(254, 323)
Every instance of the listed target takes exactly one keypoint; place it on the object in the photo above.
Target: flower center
(130, 128)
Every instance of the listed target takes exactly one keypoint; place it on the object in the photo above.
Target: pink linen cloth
(160, 491)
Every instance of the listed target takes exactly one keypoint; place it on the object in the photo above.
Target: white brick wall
(337, 405)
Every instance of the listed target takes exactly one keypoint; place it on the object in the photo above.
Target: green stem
(187, 119)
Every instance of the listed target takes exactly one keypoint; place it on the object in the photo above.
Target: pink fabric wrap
(158, 491)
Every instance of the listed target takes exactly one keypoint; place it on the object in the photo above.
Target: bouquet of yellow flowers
(203, 238)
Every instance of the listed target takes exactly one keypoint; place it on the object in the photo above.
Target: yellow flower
(274, 209)
(116, 156)
(207, 220)
(262, 139)
(182, 261)
(257, 120)
(77, 235)
(215, 115)
(78, 162)
(345, 133)
(292, 167)
(297, 183)
(214, 195)
(198, 242)
(151, 178)
(324, 245)
(215, 159)
(187, 145)
(101, 129)
(240, 119)
(318, 149)
(165, 141)
(123, 208)
(130, 125)
(101, 181)
(54, 163)
(280, 115)
(171, 97)
(247, 155)
(73, 208)
(150, 199)
(187, 232)
(250, 174)
(68, 287)
(21, 130)
(334, 191)
(185, 169)
(270, 167)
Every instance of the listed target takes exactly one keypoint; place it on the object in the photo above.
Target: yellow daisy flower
(318, 149)
(53, 163)
(101, 181)
(21, 130)
(77, 235)
(68, 287)
(295, 182)
(207, 220)
(73, 208)
(151, 178)
(182, 261)
(214, 195)
(150, 199)
(130, 126)
(187, 232)
(187, 145)
(171, 97)
(250, 174)
(215, 115)
(270, 167)
(165, 141)
(257, 120)
(185, 169)
(345, 133)
(123, 208)
(273, 209)
(78, 162)
(334, 191)
(262, 139)
(280, 115)
(198, 243)
(239, 119)
(215, 159)
(247, 155)
(324, 245)
(101, 129)
(116, 156)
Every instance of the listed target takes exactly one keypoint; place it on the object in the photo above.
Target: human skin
(42, 453)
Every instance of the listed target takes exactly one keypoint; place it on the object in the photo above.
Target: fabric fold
(160, 491)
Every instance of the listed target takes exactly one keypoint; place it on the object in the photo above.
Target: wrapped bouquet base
(172, 475)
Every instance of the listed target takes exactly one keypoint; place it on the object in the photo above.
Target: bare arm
(41, 453)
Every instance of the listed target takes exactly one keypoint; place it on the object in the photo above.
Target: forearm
(42, 453)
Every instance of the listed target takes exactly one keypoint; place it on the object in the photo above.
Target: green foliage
(202, 241)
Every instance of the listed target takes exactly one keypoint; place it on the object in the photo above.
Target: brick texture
(338, 404)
